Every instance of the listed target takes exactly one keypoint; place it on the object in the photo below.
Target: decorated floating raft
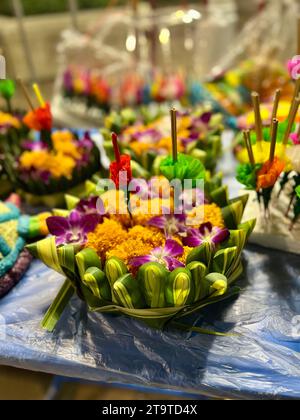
(42, 163)
(148, 254)
(146, 136)
(15, 231)
(271, 169)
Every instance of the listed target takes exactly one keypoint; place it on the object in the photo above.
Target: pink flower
(294, 67)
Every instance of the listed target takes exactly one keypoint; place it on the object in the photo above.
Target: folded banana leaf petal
(114, 269)
(46, 251)
(224, 260)
(199, 271)
(180, 289)
(203, 253)
(218, 284)
(152, 278)
(232, 214)
(128, 293)
(220, 196)
(96, 281)
(87, 258)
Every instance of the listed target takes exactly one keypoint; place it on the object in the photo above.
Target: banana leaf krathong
(148, 143)
(154, 292)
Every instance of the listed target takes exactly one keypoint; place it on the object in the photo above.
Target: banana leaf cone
(180, 289)
(152, 277)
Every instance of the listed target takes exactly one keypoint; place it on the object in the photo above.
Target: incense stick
(275, 108)
(249, 146)
(173, 113)
(258, 121)
(273, 139)
(39, 95)
(276, 104)
(26, 93)
(291, 120)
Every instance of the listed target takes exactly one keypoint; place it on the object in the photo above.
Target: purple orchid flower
(206, 233)
(86, 141)
(93, 205)
(34, 146)
(72, 229)
(148, 136)
(170, 223)
(206, 117)
(165, 255)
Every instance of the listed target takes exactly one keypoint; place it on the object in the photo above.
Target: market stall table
(261, 359)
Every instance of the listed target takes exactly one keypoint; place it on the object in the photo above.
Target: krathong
(147, 139)
(15, 230)
(47, 163)
(272, 170)
(152, 266)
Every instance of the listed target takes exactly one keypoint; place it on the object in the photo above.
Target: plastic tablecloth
(261, 360)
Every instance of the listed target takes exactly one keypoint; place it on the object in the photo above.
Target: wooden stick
(275, 109)
(173, 113)
(249, 146)
(26, 93)
(291, 120)
(273, 139)
(276, 104)
(258, 121)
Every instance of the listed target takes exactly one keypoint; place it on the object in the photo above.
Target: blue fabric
(263, 360)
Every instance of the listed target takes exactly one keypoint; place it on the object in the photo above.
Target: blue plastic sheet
(262, 360)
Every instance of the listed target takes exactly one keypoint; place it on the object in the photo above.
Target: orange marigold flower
(269, 173)
(106, 236)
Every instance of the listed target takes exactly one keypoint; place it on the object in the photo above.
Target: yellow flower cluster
(60, 161)
(9, 120)
(206, 213)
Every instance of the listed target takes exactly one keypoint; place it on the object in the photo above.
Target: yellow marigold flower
(63, 142)
(106, 236)
(10, 120)
(206, 213)
(57, 164)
